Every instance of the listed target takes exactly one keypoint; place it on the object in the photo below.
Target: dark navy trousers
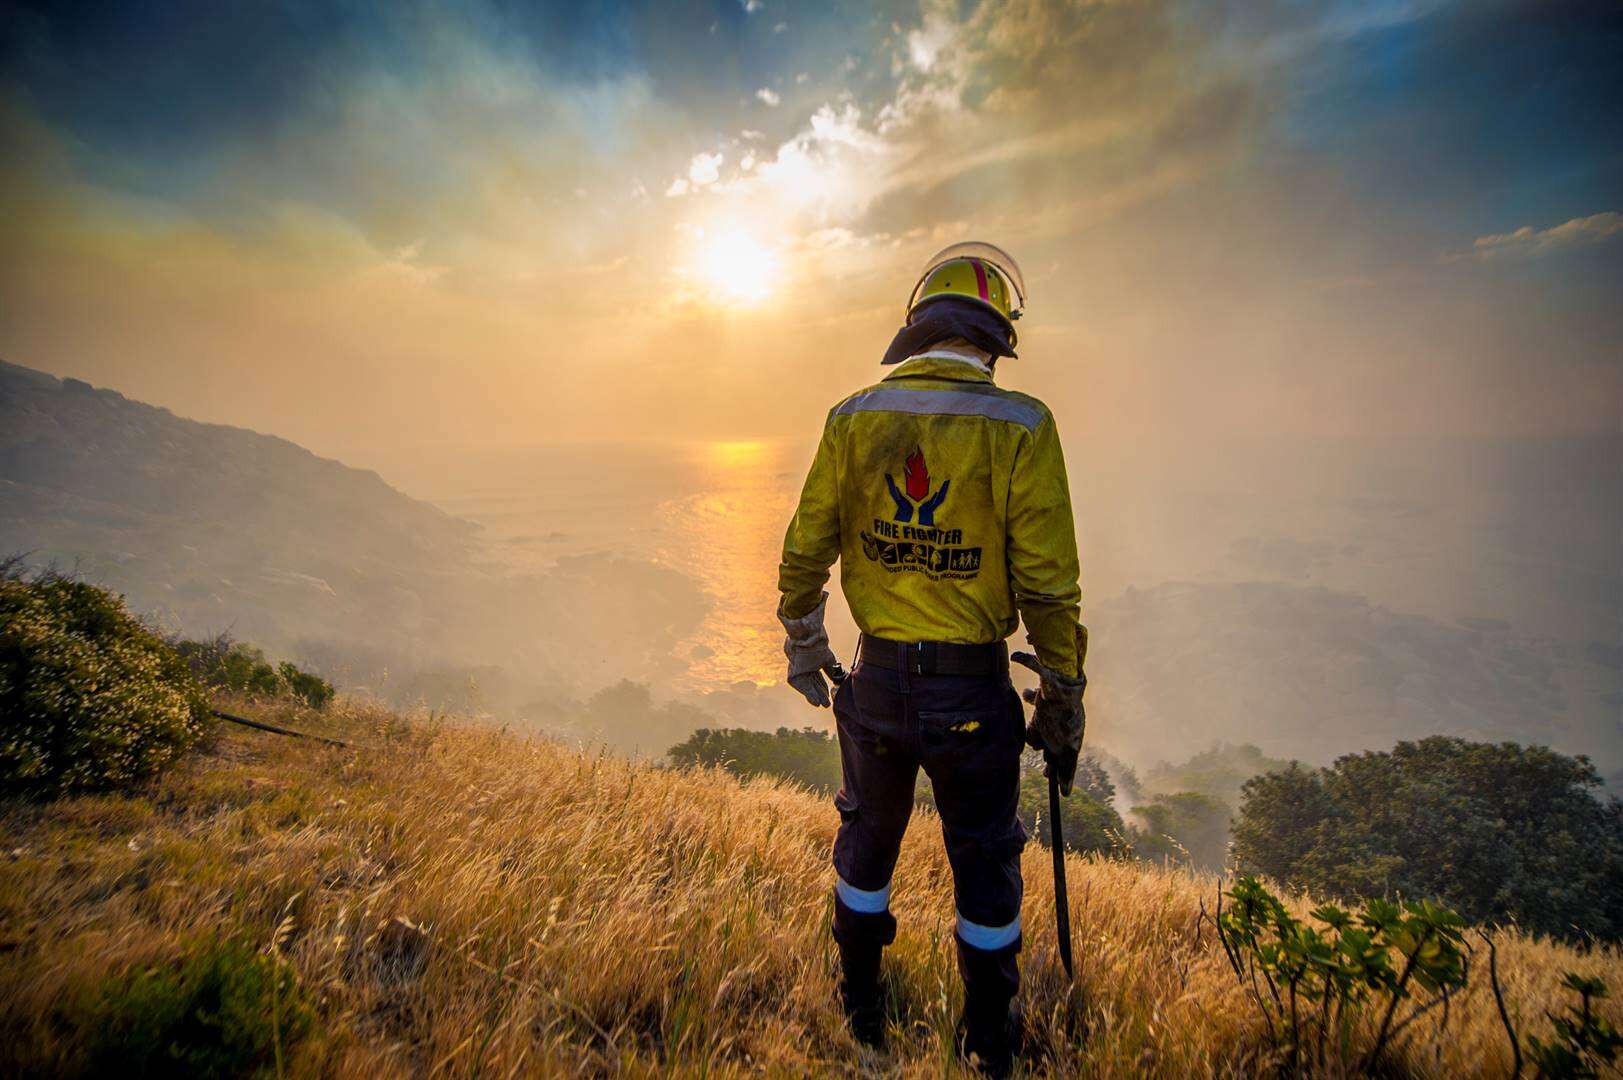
(967, 733)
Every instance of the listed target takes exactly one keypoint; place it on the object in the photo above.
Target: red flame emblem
(918, 477)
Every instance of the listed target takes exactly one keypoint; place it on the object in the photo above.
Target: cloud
(1530, 243)
(429, 177)
(925, 44)
(827, 173)
(704, 169)
(752, 6)
(995, 89)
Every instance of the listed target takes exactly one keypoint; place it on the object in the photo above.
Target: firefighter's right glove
(808, 652)
(1057, 719)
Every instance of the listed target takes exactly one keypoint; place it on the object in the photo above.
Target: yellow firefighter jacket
(944, 498)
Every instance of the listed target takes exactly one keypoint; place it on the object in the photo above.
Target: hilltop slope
(200, 522)
(458, 900)
(209, 528)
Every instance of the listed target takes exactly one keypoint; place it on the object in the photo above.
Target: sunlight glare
(737, 266)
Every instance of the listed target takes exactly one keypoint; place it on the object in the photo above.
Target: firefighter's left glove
(1057, 719)
(808, 652)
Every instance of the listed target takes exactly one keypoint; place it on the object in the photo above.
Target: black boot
(988, 1035)
(860, 995)
(862, 938)
(989, 1032)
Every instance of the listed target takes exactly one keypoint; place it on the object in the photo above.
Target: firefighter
(945, 501)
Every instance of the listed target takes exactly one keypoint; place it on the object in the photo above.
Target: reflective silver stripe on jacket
(942, 403)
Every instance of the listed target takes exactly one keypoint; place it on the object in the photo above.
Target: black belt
(934, 657)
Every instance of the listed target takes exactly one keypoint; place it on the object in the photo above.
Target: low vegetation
(809, 756)
(92, 699)
(229, 666)
(220, 1007)
(459, 901)
(89, 697)
(432, 898)
(1390, 965)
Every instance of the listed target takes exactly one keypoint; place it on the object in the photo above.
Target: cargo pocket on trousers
(846, 805)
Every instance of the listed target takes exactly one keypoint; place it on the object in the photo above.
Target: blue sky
(1231, 213)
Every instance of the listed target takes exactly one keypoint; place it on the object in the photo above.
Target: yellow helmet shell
(969, 279)
(979, 272)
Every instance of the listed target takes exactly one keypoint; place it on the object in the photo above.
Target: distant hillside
(1312, 673)
(209, 528)
(206, 522)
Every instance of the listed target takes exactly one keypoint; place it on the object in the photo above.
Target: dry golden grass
(459, 901)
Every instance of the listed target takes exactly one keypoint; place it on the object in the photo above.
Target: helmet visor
(975, 249)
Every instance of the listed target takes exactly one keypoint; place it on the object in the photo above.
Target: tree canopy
(1496, 830)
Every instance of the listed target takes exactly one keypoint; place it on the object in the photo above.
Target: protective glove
(807, 649)
(1057, 719)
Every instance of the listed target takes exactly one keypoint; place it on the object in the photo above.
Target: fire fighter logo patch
(917, 475)
(911, 540)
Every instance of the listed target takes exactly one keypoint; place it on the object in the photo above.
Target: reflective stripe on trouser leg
(862, 901)
(988, 938)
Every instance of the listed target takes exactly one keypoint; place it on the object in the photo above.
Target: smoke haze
(1324, 300)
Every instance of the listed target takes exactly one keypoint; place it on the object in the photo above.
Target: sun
(737, 266)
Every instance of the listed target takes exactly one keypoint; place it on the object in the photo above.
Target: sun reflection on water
(714, 511)
(728, 535)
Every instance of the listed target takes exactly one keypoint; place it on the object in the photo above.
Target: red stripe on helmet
(980, 278)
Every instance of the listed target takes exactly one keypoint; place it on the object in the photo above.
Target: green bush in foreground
(222, 1009)
(89, 697)
(1398, 963)
(1583, 1043)
(1311, 984)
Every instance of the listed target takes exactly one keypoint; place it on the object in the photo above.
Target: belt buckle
(923, 660)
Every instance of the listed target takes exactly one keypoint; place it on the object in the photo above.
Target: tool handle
(836, 672)
(1062, 900)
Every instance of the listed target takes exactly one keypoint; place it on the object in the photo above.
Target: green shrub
(1311, 984)
(89, 697)
(223, 664)
(222, 1009)
(313, 690)
(807, 756)
(1584, 1043)
(236, 666)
